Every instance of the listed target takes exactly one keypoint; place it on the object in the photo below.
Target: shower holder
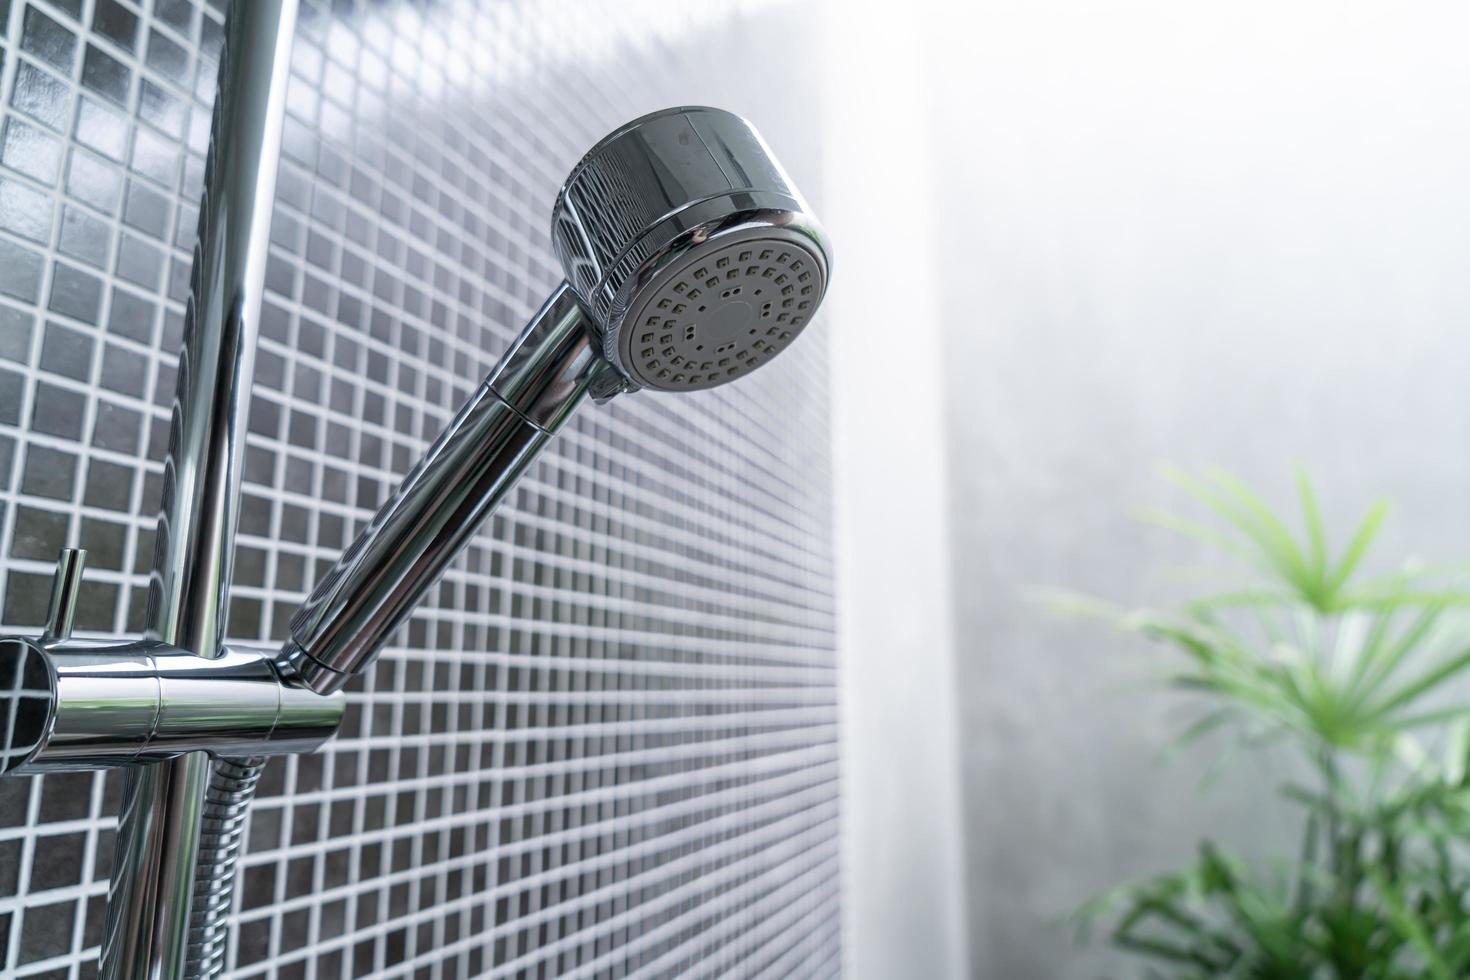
(78, 704)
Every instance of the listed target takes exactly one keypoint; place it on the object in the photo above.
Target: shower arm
(446, 497)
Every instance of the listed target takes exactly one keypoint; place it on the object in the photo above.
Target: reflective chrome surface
(544, 373)
(646, 204)
(27, 698)
(116, 704)
(105, 699)
(227, 801)
(149, 906)
(339, 630)
(66, 586)
(633, 225)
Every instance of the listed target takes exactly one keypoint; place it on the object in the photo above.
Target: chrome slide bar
(149, 905)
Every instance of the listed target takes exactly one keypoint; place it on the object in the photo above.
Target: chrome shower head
(691, 260)
(689, 248)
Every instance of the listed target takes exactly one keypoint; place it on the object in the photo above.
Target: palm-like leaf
(1349, 667)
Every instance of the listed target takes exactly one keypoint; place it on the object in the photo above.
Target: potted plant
(1363, 676)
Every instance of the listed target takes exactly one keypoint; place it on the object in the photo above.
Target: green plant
(1363, 676)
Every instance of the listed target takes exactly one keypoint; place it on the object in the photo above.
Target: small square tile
(105, 75)
(109, 485)
(65, 796)
(137, 610)
(254, 933)
(26, 597)
(48, 472)
(60, 411)
(124, 371)
(167, 58)
(117, 428)
(10, 857)
(178, 14)
(75, 293)
(132, 316)
(47, 39)
(57, 861)
(155, 157)
(16, 327)
(25, 211)
(258, 887)
(39, 534)
(93, 181)
(102, 128)
(116, 23)
(162, 110)
(96, 605)
(20, 271)
(46, 931)
(147, 210)
(67, 351)
(177, 287)
(41, 95)
(105, 541)
(140, 262)
(211, 38)
(15, 800)
(84, 236)
(245, 618)
(93, 933)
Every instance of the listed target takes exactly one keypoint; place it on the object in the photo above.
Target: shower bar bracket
(82, 704)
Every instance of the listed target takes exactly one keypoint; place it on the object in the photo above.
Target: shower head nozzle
(689, 247)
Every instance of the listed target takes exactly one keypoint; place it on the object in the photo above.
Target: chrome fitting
(73, 704)
(82, 704)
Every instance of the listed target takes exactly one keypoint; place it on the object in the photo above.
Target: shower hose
(226, 803)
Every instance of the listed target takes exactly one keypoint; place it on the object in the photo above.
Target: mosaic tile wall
(607, 744)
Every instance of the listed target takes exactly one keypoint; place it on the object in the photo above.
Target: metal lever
(66, 587)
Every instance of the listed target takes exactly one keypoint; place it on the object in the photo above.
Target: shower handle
(447, 496)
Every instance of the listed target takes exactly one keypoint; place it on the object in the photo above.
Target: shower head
(691, 261)
(689, 248)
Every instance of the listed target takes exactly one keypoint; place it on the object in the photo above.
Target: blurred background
(1077, 240)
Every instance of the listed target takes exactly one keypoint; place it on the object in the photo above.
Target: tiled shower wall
(606, 745)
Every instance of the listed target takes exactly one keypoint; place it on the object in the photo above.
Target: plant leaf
(1358, 546)
(1316, 534)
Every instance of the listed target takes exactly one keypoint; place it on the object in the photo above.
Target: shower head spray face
(688, 246)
